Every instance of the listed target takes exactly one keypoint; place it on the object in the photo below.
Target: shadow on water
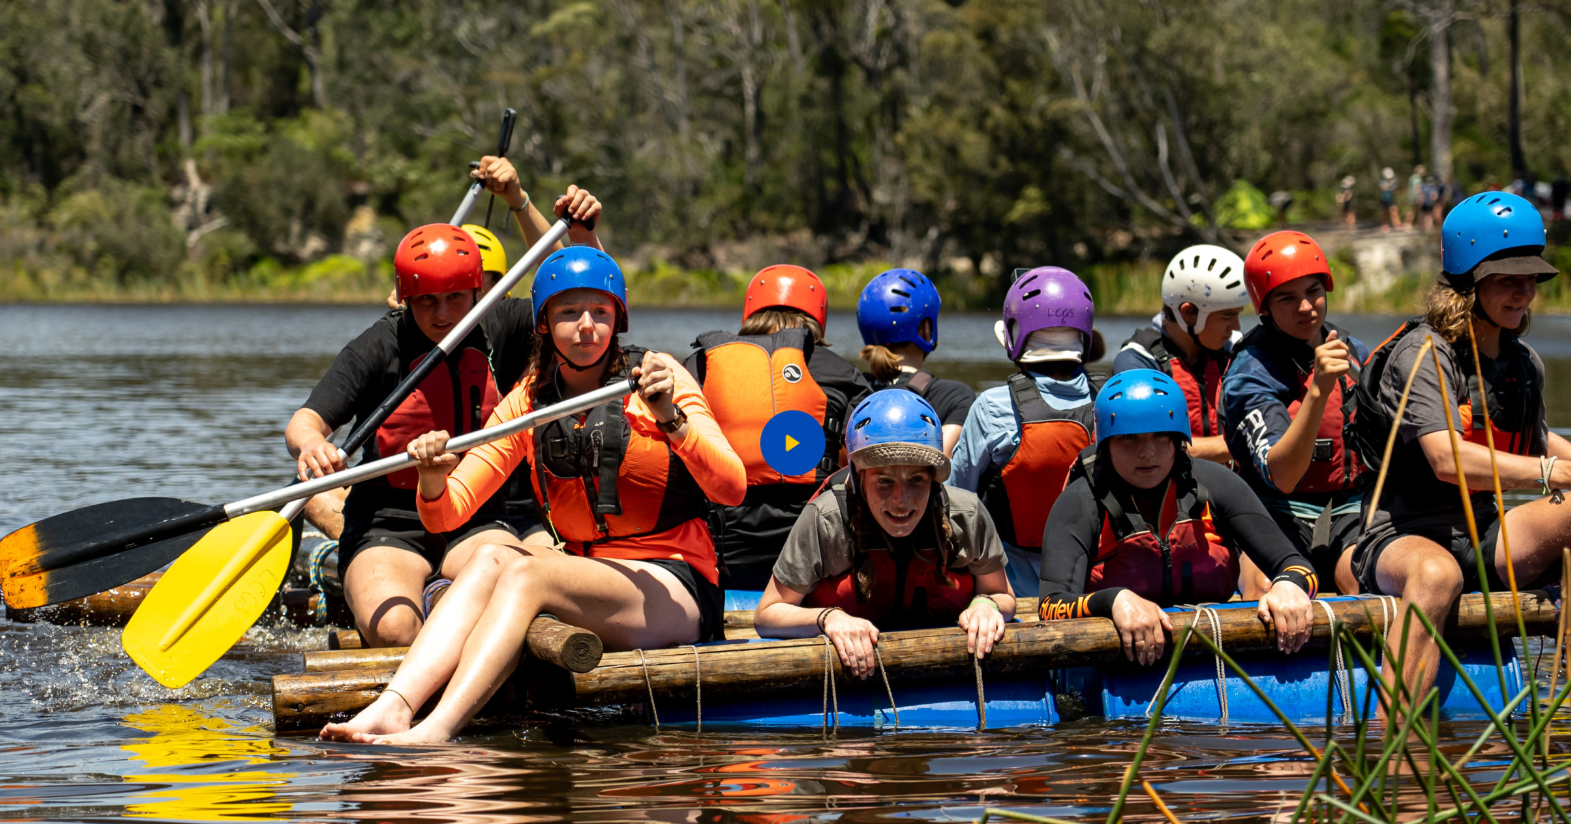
(103, 403)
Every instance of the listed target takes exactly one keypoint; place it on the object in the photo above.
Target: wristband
(825, 614)
(523, 207)
(989, 599)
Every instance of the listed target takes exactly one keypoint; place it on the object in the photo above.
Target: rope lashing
(428, 596)
(893, 707)
(1215, 620)
(651, 687)
(981, 697)
(318, 579)
(1343, 681)
(698, 688)
(829, 687)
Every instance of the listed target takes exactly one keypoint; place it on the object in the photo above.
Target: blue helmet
(893, 306)
(1486, 226)
(579, 267)
(894, 427)
(1140, 401)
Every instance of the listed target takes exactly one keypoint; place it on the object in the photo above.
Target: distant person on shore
(1419, 544)
(1388, 210)
(778, 361)
(897, 315)
(1021, 439)
(1344, 201)
(1415, 197)
(1285, 399)
(1193, 337)
(1281, 200)
(1558, 192)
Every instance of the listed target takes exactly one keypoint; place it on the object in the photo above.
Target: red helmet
(1280, 257)
(789, 286)
(436, 259)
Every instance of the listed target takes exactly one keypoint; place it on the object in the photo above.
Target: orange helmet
(436, 259)
(789, 286)
(1280, 257)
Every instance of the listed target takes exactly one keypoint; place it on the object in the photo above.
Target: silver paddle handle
(462, 443)
(468, 204)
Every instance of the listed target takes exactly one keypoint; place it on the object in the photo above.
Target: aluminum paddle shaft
(389, 465)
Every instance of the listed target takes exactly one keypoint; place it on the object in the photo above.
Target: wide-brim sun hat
(896, 427)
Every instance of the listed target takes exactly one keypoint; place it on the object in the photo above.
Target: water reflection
(197, 757)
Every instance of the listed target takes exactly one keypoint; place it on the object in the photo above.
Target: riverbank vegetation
(276, 149)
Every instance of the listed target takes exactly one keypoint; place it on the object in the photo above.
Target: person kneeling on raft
(1418, 544)
(888, 546)
(1021, 440)
(1104, 558)
(1285, 400)
(624, 486)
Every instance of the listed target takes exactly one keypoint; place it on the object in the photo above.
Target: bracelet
(1546, 467)
(989, 599)
(403, 699)
(523, 207)
(824, 613)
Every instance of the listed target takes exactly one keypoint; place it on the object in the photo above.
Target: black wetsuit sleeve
(1069, 543)
(1244, 522)
(357, 374)
(951, 400)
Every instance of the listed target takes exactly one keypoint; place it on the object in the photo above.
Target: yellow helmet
(493, 258)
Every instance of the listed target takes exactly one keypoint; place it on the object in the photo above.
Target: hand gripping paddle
(78, 553)
(504, 141)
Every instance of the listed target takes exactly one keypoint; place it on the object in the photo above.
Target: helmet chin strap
(576, 368)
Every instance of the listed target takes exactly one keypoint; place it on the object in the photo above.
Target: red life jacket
(1334, 465)
(750, 379)
(599, 479)
(457, 396)
(906, 591)
(1183, 561)
(1202, 387)
(1020, 494)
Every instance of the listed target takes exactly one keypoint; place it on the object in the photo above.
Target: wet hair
(1451, 310)
(883, 362)
(866, 534)
(771, 320)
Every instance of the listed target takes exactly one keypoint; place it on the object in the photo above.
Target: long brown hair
(772, 320)
(867, 534)
(542, 355)
(1451, 311)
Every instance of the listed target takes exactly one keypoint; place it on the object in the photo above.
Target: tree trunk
(1412, 116)
(1439, 20)
(1518, 157)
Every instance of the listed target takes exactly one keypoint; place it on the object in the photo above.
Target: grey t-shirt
(1414, 500)
(819, 545)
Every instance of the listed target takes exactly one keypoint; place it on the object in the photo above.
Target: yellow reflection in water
(184, 738)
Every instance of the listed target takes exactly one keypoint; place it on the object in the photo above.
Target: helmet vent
(1197, 261)
(1031, 294)
(1159, 391)
(861, 423)
(1232, 285)
(899, 308)
(900, 293)
(421, 256)
(930, 421)
(909, 282)
(464, 252)
(1225, 272)
(1269, 252)
(1115, 396)
(1087, 295)
(1505, 211)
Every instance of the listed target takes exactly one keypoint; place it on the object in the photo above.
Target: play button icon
(792, 443)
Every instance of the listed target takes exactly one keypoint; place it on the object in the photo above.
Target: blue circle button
(792, 443)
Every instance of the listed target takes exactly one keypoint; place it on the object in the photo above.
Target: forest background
(277, 149)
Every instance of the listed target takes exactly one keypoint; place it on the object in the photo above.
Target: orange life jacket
(750, 379)
(1202, 388)
(599, 479)
(457, 396)
(906, 591)
(1184, 562)
(1020, 494)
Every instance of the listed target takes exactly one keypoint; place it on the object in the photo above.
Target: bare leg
(460, 554)
(1252, 583)
(627, 603)
(1429, 578)
(1537, 530)
(382, 586)
(1346, 582)
(325, 511)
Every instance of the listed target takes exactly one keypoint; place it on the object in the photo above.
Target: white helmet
(1210, 277)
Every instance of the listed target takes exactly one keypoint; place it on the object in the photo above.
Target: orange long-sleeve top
(705, 451)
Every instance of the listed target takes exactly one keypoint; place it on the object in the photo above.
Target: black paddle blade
(89, 550)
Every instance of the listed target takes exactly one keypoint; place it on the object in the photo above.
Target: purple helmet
(1043, 298)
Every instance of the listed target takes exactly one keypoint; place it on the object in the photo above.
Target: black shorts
(1366, 559)
(402, 529)
(709, 597)
(1345, 530)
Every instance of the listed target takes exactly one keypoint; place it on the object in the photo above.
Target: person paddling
(623, 486)
(1286, 399)
(888, 546)
(897, 315)
(778, 362)
(1148, 527)
(1417, 545)
(1020, 440)
(1193, 337)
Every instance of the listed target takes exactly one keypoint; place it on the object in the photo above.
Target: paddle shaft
(468, 203)
(502, 143)
(462, 443)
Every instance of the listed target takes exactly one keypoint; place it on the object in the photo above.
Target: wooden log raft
(114, 607)
(778, 668)
(549, 640)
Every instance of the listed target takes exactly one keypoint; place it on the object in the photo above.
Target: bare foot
(387, 714)
(424, 733)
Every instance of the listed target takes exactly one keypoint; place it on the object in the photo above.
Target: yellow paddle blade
(209, 598)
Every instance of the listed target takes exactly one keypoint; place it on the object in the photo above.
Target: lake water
(101, 403)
